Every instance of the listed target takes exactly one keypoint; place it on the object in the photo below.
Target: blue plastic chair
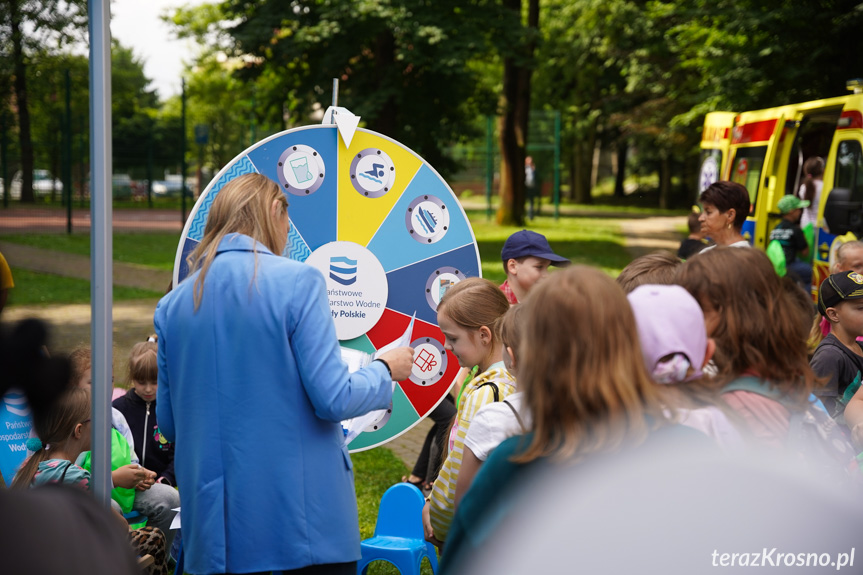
(399, 536)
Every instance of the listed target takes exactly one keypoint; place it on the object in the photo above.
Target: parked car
(170, 187)
(43, 184)
(122, 186)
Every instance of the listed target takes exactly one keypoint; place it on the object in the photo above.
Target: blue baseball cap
(527, 243)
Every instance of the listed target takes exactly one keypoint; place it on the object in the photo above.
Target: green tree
(516, 42)
(48, 92)
(401, 64)
(133, 111)
(27, 26)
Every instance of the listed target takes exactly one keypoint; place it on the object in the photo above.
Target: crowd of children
(142, 481)
(563, 369)
(725, 360)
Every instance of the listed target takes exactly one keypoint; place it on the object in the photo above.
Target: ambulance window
(746, 169)
(711, 161)
(849, 167)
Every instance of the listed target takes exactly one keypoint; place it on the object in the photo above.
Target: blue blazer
(251, 390)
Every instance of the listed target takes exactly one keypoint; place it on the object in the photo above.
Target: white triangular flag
(344, 120)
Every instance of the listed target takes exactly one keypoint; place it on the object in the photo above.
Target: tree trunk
(24, 137)
(620, 171)
(664, 179)
(583, 167)
(514, 121)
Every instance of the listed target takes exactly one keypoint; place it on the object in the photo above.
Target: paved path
(133, 320)
(648, 235)
(75, 266)
(26, 218)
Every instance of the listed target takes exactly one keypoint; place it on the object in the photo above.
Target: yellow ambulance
(765, 150)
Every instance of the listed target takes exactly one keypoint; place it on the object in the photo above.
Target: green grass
(52, 289)
(156, 250)
(591, 241)
(375, 471)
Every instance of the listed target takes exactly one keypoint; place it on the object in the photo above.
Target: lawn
(585, 240)
(595, 241)
(156, 250)
(51, 289)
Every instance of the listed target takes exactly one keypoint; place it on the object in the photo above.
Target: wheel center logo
(356, 286)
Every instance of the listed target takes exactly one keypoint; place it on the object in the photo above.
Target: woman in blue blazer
(252, 389)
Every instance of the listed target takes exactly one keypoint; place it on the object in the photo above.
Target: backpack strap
(63, 476)
(754, 385)
(517, 416)
(494, 389)
(761, 387)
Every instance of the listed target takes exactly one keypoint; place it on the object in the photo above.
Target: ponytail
(53, 429)
(812, 168)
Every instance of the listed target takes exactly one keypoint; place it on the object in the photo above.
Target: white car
(43, 183)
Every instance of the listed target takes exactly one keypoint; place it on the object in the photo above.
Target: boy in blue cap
(526, 256)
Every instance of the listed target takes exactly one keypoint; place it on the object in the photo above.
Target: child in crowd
(793, 242)
(468, 316)
(63, 435)
(589, 394)
(839, 356)
(497, 421)
(138, 406)
(760, 323)
(695, 241)
(849, 257)
(810, 189)
(156, 501)
(526, 256)
(658, 268)
(676, 349)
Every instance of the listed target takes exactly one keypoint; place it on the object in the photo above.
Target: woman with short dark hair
(726, 206)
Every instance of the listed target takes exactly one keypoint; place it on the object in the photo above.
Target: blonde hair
(54, 428)
(473, 303)
(656, 268)
(842, 253)
(80, 360)
(581, 370)
(143, 362)
(242, 206)
(509, 327)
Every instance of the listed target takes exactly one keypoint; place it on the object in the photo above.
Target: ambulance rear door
(715, 141)
(752, 162)
(841, 207)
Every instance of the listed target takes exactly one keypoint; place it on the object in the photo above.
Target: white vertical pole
(101, 297)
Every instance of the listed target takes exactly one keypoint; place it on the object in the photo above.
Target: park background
(607, 96)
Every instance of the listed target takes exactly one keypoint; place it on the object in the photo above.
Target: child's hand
(427, 527)
(400, 361)
(147, 482)
(129, 476)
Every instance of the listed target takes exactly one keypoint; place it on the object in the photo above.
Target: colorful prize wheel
(387, 233)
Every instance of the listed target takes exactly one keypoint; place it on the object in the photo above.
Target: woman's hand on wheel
(400, 361)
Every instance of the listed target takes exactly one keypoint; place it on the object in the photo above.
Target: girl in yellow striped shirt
(468, 316)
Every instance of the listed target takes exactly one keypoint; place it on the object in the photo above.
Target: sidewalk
(75, 266)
